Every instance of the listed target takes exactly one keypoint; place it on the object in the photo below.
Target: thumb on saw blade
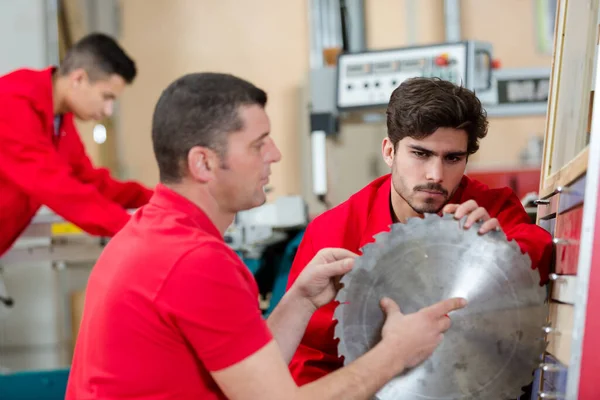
(389, 306)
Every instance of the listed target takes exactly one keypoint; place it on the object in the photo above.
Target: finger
(479, 213)
(449, 209)
(444, 307)
(336, 268)
(335, 253)
(389, 306)
(489, 225)
(443, 324)
(465, 208)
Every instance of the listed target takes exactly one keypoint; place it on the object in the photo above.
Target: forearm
(288, 322)
(360, 380)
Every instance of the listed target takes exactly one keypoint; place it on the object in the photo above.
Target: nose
(272, 154)
(435, 170)
(108, 108)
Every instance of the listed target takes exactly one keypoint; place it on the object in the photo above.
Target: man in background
(42, 157)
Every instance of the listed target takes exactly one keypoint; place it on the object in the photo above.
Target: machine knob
(551, 367)
(541, 202)
(550, 330)
(560, 241)
(551, 396)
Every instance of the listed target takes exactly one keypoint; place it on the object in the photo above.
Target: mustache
(434, 187)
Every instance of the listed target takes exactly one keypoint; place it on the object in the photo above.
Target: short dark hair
(198, 109)
(100, 56)
(419, 106)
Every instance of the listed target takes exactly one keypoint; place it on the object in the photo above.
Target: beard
(431, 205)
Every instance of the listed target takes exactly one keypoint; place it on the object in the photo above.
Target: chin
(427, 208)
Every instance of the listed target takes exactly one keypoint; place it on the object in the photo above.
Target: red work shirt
(42, 166)
(353, 223)
(167, 302)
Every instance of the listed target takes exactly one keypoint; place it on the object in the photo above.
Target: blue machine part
(283, 264)
(34, 385)
(283, 271)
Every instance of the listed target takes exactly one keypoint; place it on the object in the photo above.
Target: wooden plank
(569, 173)
(559, 28)
(559, 340)
(563, 289)
(571, 83)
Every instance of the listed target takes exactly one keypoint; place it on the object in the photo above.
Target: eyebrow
(261, 137)
(433, 153)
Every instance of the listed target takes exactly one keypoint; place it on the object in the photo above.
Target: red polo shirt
(46, 164)
(167, 302)
(353, 223)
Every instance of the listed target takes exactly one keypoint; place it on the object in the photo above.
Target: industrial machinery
(360, 84)
(367, 79)
(494, 344)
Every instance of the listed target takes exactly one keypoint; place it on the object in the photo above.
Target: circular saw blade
(494, 344)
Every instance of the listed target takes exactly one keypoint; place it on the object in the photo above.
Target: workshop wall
(267, 42)
(263, 41)
(510, 26)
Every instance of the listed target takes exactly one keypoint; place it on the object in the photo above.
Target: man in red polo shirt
(171, 312)
(433, 126)
(42, 158)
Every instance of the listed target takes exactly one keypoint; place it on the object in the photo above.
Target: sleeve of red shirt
(30, 161)
(316, 355)
(128, 194)
(212, 299)
(516, 224)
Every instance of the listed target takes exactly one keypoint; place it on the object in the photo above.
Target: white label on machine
(368, 79)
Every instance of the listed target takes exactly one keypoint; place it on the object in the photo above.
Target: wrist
(302, 303)
(389, 348)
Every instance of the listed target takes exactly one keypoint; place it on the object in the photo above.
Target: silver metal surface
(495, 343)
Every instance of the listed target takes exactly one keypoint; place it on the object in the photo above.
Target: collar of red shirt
(172, 202)
(379, 217)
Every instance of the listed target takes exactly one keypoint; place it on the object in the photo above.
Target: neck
(59, 89)
(400, 209)
(207, 203)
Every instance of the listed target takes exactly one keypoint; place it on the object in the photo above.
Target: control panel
(367, 79)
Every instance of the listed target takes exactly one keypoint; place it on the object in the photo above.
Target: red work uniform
(167, 302)
(41, 165)
(353, 223)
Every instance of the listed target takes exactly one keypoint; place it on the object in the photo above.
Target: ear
(388, 152)
(77, 76)
(202, 163)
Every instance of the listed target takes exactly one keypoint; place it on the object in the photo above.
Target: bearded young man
(433, 127)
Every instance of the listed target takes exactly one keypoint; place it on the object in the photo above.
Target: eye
(419, 154)
(453, 159)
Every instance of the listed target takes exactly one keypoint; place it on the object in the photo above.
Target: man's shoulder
(356, 207)
(494, 200)
(29, 88)
(477, 189)
(24, 82)
(337, 226)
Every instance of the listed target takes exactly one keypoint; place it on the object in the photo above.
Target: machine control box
(367, 79)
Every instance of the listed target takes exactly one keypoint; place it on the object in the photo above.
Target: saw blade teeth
(448, 216)
(430, 216)
(389, 263)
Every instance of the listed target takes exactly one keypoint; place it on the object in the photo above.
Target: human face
(246, 167)
(93, 100)
(426, 172)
